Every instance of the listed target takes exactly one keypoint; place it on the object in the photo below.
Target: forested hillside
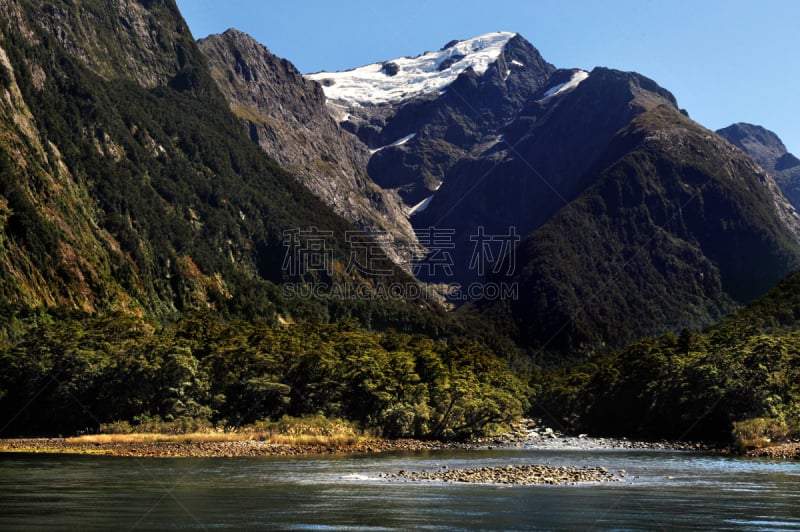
(742, 373)
(137, 189)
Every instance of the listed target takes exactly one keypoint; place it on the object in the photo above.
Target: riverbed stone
(524, 475)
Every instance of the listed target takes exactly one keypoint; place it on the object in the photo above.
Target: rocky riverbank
(210, 449)
(532, 434)
(527, 475)
(784, 451)
(528, 434)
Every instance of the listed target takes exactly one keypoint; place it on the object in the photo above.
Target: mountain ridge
(192, 216)
(768, 150)
(285, 113)
(527, 167)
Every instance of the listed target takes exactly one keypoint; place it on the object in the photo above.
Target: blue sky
(725, 61)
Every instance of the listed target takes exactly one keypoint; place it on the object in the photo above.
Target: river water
(662, 490)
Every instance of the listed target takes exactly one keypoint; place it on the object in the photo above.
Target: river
(661, 490)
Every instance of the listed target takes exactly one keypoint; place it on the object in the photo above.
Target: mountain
(126, 183)
(131, 181)
(768, 150)
(538, 162)
(159, 269)
(662, 224)
(286, 115)
(593, 208)
(420, 115)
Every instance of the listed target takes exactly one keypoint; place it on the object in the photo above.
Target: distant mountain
(421, 115)
(768, 150)
(539, 161)
(286, 115)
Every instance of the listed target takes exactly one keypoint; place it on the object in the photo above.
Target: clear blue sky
(725, 60)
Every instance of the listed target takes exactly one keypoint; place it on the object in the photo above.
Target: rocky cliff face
(286, 115)
(767, 149)
(115, 38)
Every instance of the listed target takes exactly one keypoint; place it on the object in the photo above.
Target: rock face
(134, 43)
(767, 149)
(286, 115)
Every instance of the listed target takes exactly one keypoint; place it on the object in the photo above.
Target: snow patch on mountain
(574, 81)
(398, 142)
(407, 77)
(421, 206)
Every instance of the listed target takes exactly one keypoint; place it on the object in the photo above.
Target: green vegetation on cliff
(137, 189)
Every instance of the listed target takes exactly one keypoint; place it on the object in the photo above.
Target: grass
(216, 437)
(304, 431)
(308, 432)
(757, 433)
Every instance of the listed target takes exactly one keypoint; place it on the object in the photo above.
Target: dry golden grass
(315, 439)
(305, 431)
(214, 437)
(147, 437)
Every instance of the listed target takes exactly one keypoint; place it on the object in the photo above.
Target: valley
(196, 235)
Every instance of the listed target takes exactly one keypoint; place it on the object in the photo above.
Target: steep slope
(672, 229)
(767, 149)
(52, 252)
(538, 162)
(286, 115)
(127, 183)
(420, 115)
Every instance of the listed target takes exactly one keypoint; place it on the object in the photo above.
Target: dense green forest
(59, 374)
(742, 374)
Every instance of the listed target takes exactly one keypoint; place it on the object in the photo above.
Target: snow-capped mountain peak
(407, 77)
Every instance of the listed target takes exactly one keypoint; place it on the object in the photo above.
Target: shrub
(759, 432)
(157, 425)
